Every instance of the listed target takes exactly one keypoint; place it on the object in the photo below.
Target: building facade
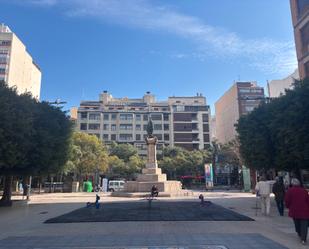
(300, 19)
(276, 88)
(179, 121)
(240, 99)
(17, 67)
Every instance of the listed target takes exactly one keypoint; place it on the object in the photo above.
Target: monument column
(151, 153)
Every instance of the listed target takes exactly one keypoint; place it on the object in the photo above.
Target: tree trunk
(7, 192)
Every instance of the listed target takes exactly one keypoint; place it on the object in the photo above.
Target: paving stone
(209, 241)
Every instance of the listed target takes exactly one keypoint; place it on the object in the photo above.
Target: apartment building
(17, 67)
(179, 121)
(276, 88)
(239, 100)
(300, 20)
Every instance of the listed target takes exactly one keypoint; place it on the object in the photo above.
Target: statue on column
(151, 142)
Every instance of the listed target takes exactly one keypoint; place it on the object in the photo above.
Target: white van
(115, 185)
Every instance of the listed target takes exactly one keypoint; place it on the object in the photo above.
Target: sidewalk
(28, 222)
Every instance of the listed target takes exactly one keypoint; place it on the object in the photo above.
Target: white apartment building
(17, 67)
(179, 121)
(276, 88)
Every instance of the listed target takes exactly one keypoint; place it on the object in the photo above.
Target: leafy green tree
(123, 151)
(88, 155)
(275, 135)
(33, 135)
(177, 162)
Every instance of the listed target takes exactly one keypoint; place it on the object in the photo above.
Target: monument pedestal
(151, 175)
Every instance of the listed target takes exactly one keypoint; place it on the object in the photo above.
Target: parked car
(115, 185)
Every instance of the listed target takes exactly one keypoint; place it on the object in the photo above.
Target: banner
(209, 175)
(246, 179)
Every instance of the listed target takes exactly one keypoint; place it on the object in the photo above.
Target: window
(113, 137)
(138, 137)
(114, 116)
(106, 117)
(113, 127)
(194, 116)
(145, 127)
(156, 116)
(166, 137)
(93, 126)
(125, 127)
(83, 126)
(159, 136)
(126, 116)
(2, 70)
(126, 137)
(138, 117)
(83, 115)
(205, 128)
(105, 127)
(180, 108)
(145, 117)
(105, 137)
(157, 127)
(166, 127)
(5, 43)
(206, 138)
(138, 127)
(138, 146)
(165, 117)
(205, 117)
(94, 116)
(3, 60)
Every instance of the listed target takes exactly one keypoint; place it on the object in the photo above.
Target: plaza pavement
(23, 227)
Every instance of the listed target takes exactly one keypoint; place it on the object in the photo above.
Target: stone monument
(152, 175)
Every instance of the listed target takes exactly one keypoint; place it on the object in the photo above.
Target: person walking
(279, 192)
(297, 201)
(263, 190)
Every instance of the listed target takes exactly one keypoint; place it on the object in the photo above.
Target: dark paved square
(160, 211)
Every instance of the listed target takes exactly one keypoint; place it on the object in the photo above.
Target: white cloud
(267, 55)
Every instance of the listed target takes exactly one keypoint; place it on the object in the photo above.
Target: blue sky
(168, 47)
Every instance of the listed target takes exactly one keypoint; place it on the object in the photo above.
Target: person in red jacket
(297, 201)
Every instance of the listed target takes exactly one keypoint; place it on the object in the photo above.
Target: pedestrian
(279, 192)
(154, 191)
(297, 201)
(263, 189)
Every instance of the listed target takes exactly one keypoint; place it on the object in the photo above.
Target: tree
(33, 137)
(177, 162)
(88, 155)
(123, 151)
(275, 135)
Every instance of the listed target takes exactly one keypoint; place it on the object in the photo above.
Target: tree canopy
(275, 135)
(34, 136)
(87, 155)
(177, 162)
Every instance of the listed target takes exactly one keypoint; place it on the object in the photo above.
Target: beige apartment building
(300, 19)
(240, 99)
(276, 88)
(179, 121)
(17, 67)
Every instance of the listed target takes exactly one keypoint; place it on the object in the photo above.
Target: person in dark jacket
(279, 192)
(297, 201)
